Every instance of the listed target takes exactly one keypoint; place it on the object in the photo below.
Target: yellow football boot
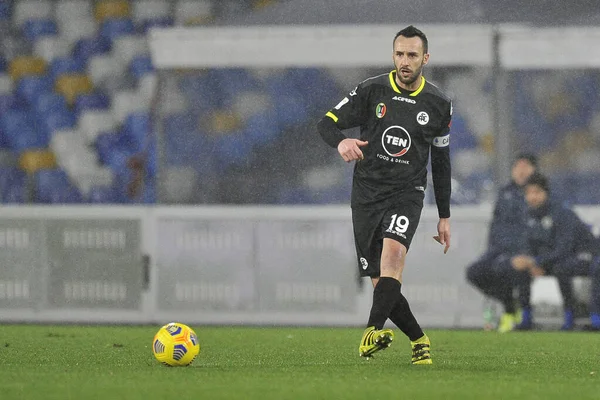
(507, 323)
(421, 351)
(374, 340)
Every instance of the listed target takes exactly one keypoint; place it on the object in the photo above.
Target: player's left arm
(565, 225)
(441, 173)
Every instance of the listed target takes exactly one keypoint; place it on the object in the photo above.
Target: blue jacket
(507, 229)
(555, 233)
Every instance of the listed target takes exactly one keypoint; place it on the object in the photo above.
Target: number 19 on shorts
(399, 224)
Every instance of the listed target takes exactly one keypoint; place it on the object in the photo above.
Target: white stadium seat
(190, 11)
(94, 122)
(148, 9)
(51, 47)
(6, 84)
(78, 28)
(125, 48)
(68, 10)
(31, 9)
(102, 67)
(127, 102)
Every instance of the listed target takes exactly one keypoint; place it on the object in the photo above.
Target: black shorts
(399, 222)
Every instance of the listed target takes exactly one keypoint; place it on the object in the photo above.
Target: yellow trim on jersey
(397, 90)
(332, 116)
(393, 82)
(421, 86)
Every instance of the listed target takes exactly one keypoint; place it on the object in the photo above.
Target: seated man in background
(492, 272)
(559, 244)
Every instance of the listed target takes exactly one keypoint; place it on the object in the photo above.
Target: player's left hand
(443, 236)
(536, 271)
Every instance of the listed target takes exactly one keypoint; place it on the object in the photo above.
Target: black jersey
(402, 128)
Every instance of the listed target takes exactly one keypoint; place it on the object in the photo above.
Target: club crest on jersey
(422, 118)
(380, 110)
(396, 141)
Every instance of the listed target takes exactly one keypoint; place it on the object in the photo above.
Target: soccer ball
(175, 345)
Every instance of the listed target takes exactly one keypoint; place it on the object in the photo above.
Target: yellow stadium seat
(72, 85)
(34, 160)
(25, 65)
(111, 9)
(224, 121)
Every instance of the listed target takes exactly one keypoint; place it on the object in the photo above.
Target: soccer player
(559, 244)
(403, 118)
(506, 238)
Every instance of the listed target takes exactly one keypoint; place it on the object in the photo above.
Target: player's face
(521, 171)
(409, 60)
(535, 196)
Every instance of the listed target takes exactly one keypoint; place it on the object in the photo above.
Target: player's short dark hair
(529, 157)
(411, 31)
(539, 180)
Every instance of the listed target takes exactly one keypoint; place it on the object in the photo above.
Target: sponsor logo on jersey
(441, 141)
(353, 92)
(396, 141)
(422, 118)
(380, 110)
(341, 103)
(404, 99)
(364, 263)
(547, 222)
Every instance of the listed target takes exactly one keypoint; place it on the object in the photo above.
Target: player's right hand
(350, 150)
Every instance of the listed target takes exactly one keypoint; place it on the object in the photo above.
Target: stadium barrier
(226, 265)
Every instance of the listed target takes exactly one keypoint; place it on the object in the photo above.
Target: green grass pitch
(110, 362)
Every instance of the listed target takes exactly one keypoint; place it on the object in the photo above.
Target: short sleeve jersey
(400, 127)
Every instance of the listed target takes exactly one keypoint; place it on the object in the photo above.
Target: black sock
(385, 297)
(405, 320)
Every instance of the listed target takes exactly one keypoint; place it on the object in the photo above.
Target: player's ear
(425, 58)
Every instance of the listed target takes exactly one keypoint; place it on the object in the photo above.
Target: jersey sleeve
(565, 224)
(440, 165)
(351, 111)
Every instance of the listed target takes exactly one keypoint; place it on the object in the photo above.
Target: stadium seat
(102, 194)
(33, 160)
(9, 101)
(51, 185)
(3, 63)
(102, 68)
(77, 29)
(150, 9)
(65, 65)
(14, 46)
(31, 9)
(54, 121)
(51, 47)
(127, 102)
(140, 66)
(92, 122)
(85, 179)
(72, 85)
(70, 10)
(136, 130)
(105, 143)
(19, 131)
(5, 11)
(180, 185)
(12, 185)
(6, 84)
(29, 87)
(193, 12)
(86, 48)
(64, 142)
(113, 28)
(105, 9)
(91, 101)
(260, 128)
(125, 48)
(34, 29)
(26, 66)
(49, 102)
(163, 22)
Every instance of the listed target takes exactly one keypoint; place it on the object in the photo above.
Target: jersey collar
(397, 90)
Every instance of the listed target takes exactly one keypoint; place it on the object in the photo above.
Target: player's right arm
(348, 113)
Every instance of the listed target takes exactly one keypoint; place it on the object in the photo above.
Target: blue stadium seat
(29, 87)
(261, 128)
(105, 144)
(184, 144)
(140, 66)
(50, 185)
(11, 179)
(87, 47)
(87, 101)
(9, 101)
(317, 88)
(5, 10)
(232, 149)
(36, 28)
(462, 136)
(102, 194)
(55, 120)
(19, 131)
(49, 102)
(113, 28)
(3, 63)
(159, 22)
(65, 65)
(136, 130)
(117, 160)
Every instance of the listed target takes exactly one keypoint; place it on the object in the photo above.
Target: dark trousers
(494, 276)
(566, 270)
